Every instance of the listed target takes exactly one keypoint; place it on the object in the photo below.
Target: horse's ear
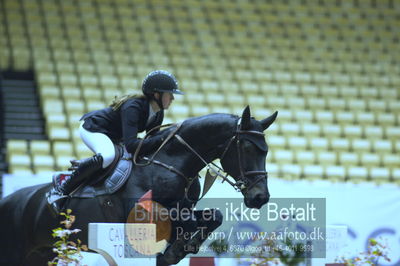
(245, 122)
(269, 120)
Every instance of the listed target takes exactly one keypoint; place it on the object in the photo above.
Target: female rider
(120, 122)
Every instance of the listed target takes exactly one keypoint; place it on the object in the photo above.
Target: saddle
(109, 180)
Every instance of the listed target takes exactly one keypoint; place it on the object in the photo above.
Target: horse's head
(244, 157)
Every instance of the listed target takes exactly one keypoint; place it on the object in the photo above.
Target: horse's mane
(202, 121)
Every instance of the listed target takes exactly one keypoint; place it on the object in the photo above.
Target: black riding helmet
(160, 81)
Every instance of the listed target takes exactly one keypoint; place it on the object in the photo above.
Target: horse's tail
(16, 213)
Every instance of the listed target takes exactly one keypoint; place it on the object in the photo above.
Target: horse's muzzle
(257, 201)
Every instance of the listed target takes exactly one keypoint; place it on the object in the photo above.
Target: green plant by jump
(68, 252)
(375, 251)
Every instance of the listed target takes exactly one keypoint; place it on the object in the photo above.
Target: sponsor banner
(12, 183)
(366, 209)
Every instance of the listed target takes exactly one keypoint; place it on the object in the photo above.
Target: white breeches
(98, 143)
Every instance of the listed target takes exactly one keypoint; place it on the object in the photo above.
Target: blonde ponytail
(119, 101)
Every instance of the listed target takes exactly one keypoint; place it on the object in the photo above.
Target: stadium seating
(329, 67)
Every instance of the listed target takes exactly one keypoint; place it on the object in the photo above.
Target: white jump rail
(109, 240)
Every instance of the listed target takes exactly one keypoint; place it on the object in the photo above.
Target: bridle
(241, 184)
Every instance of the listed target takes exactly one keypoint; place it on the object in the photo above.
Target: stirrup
(55, 199)
(54, 195)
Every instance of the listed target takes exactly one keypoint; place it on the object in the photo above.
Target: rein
(150, 160)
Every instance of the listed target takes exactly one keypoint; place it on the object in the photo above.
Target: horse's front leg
(190, 235)
(182, 232)
(207, 222)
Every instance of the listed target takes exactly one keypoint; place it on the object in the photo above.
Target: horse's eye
(248, 146)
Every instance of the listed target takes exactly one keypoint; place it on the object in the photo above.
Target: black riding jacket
(124, 124)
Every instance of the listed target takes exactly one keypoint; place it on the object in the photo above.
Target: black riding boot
(85, 169)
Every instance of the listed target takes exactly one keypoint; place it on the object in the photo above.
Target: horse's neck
(206, 140)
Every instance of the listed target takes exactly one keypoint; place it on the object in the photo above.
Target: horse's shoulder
(32, 190)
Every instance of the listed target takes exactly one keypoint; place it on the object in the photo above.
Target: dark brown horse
(26, 222)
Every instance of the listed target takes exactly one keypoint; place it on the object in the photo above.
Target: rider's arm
(132, 115)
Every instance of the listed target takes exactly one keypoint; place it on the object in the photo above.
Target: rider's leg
(99, 143)
(103, 147)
